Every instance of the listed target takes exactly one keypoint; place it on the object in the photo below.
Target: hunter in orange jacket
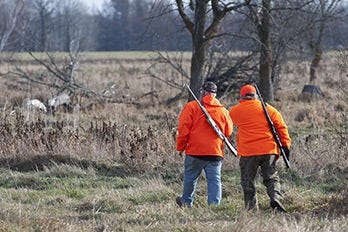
(195, 135)
(254, 136)
(257, 147)
(202, 146)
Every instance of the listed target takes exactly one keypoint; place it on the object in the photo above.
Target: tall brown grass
(113, 167)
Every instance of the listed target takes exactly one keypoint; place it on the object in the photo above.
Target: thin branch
(53, 71)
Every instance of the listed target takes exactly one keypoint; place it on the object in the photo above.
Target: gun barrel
(213, 124)
(273, 129)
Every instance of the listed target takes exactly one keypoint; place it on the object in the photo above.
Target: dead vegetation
(113, 166)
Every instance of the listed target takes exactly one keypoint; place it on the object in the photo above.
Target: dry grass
(113, 167)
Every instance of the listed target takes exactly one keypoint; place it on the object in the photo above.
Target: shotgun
(213, 124)
(273, 129)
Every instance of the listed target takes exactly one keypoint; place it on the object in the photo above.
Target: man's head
(209, 87)
(248, 91)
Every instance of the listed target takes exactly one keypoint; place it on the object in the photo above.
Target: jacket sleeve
(184, 127)
(229, 125)
(281, 127)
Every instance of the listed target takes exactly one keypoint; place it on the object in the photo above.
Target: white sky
(92, 4)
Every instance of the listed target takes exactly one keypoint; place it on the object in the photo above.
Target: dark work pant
(249, 167)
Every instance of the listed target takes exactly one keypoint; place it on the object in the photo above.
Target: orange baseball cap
(247, 89)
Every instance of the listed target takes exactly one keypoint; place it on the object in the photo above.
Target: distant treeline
(123, 25)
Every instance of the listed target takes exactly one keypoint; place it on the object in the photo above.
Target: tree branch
(188, 23)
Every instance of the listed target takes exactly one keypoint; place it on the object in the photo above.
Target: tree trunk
(314, 66)
(310, 92)
(197, 63)
(318, 51)
(266, 87)
(43, 37)
(198, 49)
(11, 21)
(316, 43)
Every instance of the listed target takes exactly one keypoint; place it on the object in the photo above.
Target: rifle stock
(213, 124)
(273, 129)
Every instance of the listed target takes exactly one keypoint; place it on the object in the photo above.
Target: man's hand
(286, 152)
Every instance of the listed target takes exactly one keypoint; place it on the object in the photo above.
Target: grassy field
(113, 167)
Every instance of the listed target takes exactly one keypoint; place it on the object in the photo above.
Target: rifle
(212, 123)
(273, 129)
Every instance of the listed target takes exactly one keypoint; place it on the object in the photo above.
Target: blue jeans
(193, 168)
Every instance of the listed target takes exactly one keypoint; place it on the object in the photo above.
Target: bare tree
(261, 13)
(205, 12)
(58, 74)
(316, 18)
(320, 14)
(9, 11)
(45, 10)
(276, 30)
(72, 24)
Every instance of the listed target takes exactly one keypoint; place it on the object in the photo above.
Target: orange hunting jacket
(254, 136)
(195, 135)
